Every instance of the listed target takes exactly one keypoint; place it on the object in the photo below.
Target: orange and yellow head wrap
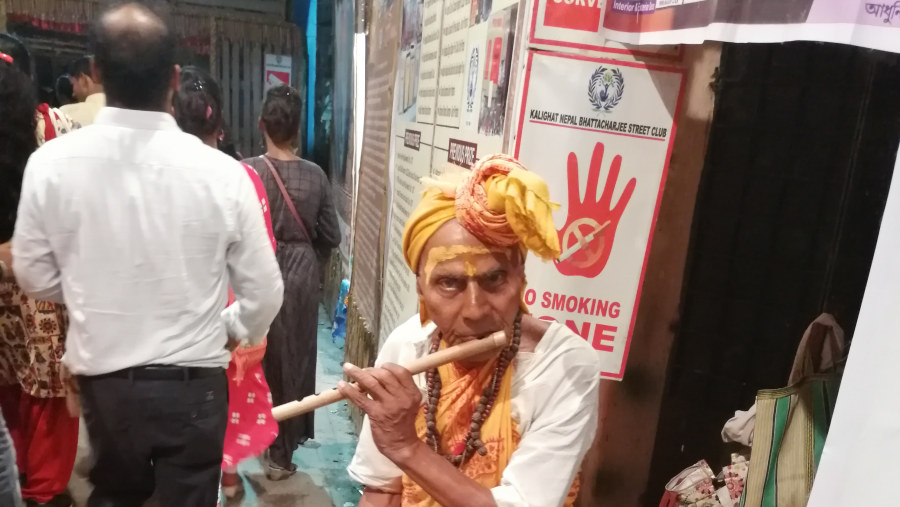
(499, 202)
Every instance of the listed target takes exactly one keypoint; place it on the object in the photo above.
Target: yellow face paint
(470, 268)
(441, 254)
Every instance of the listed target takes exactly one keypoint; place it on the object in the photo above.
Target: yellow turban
(499, 202)
(435, 210)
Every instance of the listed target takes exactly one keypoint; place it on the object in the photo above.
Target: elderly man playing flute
(509, 428)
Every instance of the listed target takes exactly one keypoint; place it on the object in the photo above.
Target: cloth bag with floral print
(693, 487)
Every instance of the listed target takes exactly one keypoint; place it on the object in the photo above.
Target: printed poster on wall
(413, 132)
(868, 23)
(635, 26)
(452, 96)
(477, 46)
(601, 138)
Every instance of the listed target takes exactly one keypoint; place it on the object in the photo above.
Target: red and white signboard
(278, 71)
(601, 138)
(578, 24)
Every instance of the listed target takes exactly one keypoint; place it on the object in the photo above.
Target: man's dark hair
(64, 90)
(281, 112)
(81, 67)
(134, 50)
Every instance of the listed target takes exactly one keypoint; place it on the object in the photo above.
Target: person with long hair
(17, 141)
(305, 225)
(32, 333)
(251, 429)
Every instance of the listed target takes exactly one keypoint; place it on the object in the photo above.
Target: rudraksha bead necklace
(473, 441)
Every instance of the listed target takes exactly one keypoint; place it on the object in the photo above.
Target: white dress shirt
(139, 229)
(555, 398)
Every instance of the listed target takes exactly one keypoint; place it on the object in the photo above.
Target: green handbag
(792, 423)
(791, 426)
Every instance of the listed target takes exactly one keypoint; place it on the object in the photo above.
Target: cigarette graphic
(572, 250)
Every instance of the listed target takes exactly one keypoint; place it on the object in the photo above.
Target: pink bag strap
(287, 198)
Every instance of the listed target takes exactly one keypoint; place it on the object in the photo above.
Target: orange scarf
(460, 393)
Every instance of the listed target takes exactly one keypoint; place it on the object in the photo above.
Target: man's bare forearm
(444, 482)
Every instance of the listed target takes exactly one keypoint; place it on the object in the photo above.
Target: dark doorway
(52, 52)
(801, 153)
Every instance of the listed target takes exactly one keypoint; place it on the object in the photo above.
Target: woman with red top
(251, 429)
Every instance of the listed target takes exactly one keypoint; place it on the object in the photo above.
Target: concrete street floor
(321, 479)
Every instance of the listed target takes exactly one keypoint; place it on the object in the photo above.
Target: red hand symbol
(587, 238)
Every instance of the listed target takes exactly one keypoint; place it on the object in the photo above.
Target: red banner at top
(581, 15)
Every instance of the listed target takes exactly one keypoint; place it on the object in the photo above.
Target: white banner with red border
(637, 25)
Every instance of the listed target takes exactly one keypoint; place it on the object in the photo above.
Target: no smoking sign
(583, 242)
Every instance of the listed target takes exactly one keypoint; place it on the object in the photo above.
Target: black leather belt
(156, 372)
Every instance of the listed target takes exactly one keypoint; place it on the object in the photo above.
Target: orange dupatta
(460, 393)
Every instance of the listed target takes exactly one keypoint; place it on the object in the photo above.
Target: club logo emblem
(605, 89)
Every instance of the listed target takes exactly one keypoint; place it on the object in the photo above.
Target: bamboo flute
(472, 348)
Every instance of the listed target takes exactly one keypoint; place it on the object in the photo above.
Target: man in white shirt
(87, 91)
(139, 229)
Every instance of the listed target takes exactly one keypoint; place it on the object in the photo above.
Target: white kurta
(85, 112)
(554, 402)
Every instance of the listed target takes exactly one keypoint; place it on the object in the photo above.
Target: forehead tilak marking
(441, 254)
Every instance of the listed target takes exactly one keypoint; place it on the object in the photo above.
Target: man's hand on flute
(391, 399)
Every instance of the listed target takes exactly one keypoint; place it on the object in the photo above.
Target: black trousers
(155, 435)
